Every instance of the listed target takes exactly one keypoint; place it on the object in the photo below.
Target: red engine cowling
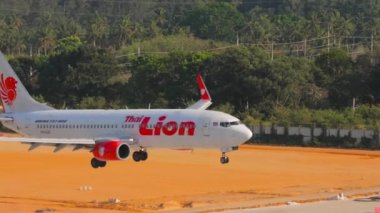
(111, 150)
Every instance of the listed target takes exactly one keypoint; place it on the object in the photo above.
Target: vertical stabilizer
(13, 94)
(205, 100)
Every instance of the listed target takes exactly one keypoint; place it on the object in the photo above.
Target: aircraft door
(206, 128)
(27, 123)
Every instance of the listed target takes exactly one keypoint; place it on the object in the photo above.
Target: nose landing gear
(224, 159)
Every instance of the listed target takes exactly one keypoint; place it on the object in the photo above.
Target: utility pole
(372, 55)
(305, 47)
(237, 39)
(328, 38)
(272, 49)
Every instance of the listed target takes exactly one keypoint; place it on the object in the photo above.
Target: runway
(365, 205)
(181, 181)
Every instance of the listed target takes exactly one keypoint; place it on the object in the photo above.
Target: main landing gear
(140, 155)
(95, 163)
(224, 159)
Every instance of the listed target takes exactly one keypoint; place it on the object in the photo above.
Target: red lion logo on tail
(8, 89)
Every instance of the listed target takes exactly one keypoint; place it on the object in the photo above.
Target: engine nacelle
(111, 150)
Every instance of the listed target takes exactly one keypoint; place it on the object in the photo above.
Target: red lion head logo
(8, 89)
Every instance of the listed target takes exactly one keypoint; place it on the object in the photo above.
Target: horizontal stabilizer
(4, 117)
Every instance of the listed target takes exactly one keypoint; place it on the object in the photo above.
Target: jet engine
(111, 150)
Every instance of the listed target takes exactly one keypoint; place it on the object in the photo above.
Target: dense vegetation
(34, 26)
(86, 54)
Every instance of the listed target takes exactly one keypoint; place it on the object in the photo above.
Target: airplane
(112, 135)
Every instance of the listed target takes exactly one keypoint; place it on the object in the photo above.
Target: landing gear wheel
(95, 163)
(102, 164)
(144, 155)
(227, 160)
(140, 156)
(224, 159)
(136, 156)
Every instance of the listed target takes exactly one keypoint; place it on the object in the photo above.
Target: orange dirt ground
(175, 180)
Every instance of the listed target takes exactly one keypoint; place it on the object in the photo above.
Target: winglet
(205, 95)
(205, 100)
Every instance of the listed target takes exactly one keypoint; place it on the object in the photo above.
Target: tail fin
(14, 96)
(205, 100)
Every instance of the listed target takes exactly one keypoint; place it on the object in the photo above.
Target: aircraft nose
(244, 134)
(247, 134)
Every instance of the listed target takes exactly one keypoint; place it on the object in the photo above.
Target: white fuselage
(155, 128)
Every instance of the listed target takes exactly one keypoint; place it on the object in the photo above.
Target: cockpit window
(233, 123)
(224, 124)
(228, 124)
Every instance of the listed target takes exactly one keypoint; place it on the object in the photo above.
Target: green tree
(126, 31)
(167, 81)
(26, 69)
(258, 28)
(67, 45)
(290, 27)
(219, 21)
(12, 34)
(68, 77)
(248, 78)
(46, 33)
(99, 29)
(336, 76)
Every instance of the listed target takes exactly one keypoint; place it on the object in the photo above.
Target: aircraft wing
(61, 143)
(205, 100)
(49, 140)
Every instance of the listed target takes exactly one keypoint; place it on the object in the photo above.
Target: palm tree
(126, 31)
(99, 29)
(46, 33)
(258, 30)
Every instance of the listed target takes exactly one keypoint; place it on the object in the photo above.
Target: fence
(302, 135)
